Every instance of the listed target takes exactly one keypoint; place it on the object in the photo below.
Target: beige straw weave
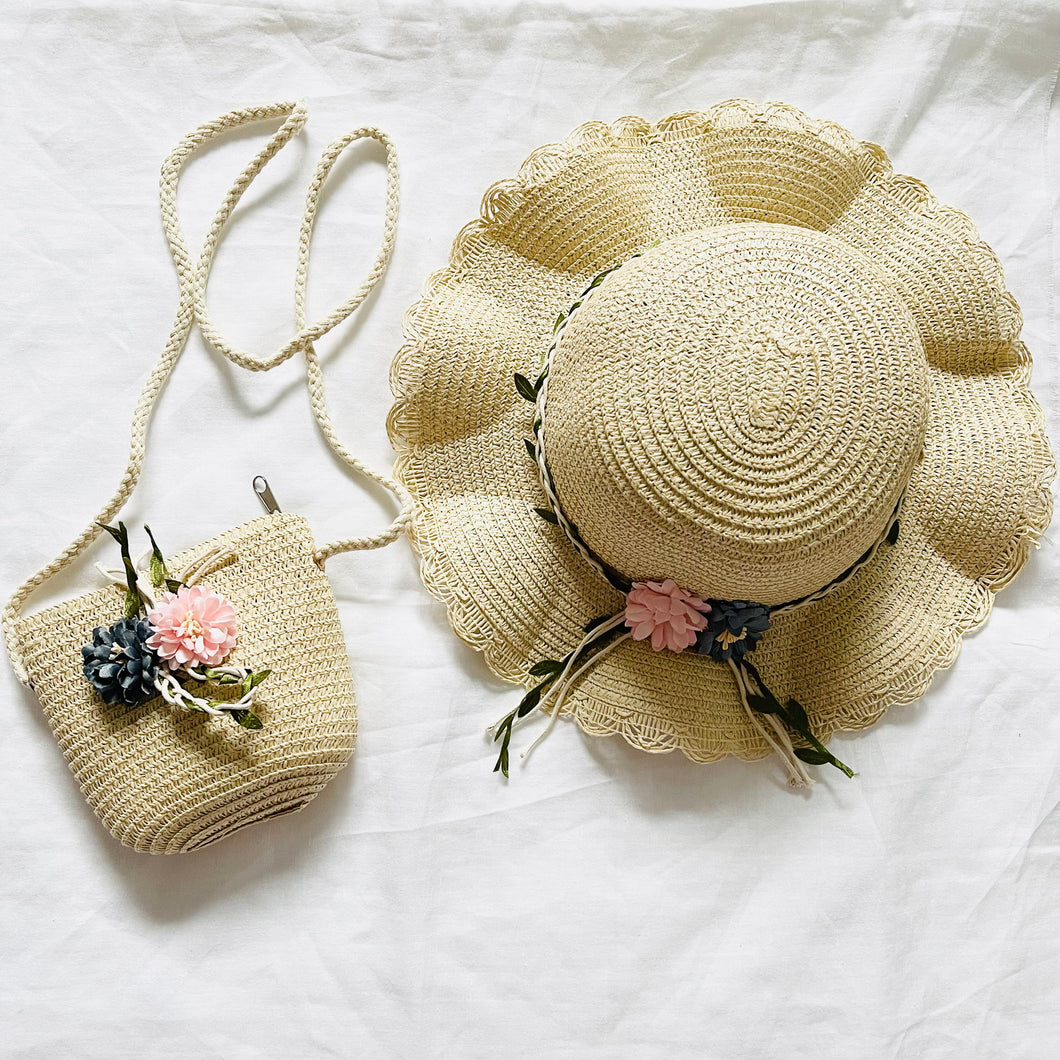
(162, 780)
(165, 781)
(738, 408)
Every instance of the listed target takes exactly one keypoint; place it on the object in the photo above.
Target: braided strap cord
(309, 333)
(192, 277)
(294, 118)
(314, 375)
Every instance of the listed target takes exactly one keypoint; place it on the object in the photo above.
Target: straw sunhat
(731, 382)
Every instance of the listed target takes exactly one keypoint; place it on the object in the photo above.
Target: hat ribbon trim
(771, 718)
(669, 615)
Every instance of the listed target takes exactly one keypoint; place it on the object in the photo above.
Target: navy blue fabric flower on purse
(120, 665)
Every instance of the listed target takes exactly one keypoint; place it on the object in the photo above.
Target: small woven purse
(155, 687)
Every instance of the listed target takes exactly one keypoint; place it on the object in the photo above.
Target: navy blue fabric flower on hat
(119, 664)
(734, 628)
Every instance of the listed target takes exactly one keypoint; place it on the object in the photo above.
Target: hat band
(670, 616)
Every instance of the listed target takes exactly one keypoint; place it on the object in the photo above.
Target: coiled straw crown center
(739, 409)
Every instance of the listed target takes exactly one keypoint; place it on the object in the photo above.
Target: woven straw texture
(945, 368)
(164, 781)
(738, 409)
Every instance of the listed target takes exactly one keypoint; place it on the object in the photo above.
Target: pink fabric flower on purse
(669, 615)
(193, 626)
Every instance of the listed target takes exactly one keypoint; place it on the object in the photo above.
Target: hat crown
(739, 409)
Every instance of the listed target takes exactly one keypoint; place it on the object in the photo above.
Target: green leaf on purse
(248, 719)
(220, 676)
(119, 533)
(159, 573)
(253, 679)
(548, 515)
(133, 603)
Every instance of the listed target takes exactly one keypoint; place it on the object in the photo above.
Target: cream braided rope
(192, 279)
(314, 375)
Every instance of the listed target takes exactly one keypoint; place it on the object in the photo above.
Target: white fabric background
(604, 903)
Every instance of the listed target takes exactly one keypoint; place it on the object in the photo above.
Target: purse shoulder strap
(192, 278)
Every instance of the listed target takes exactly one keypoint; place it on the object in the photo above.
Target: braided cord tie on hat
(192, 279)
(728, 637)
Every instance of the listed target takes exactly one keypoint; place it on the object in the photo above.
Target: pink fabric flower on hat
(193, 625)
(669, 615)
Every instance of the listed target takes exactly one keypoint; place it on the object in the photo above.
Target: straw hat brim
(513, 585)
